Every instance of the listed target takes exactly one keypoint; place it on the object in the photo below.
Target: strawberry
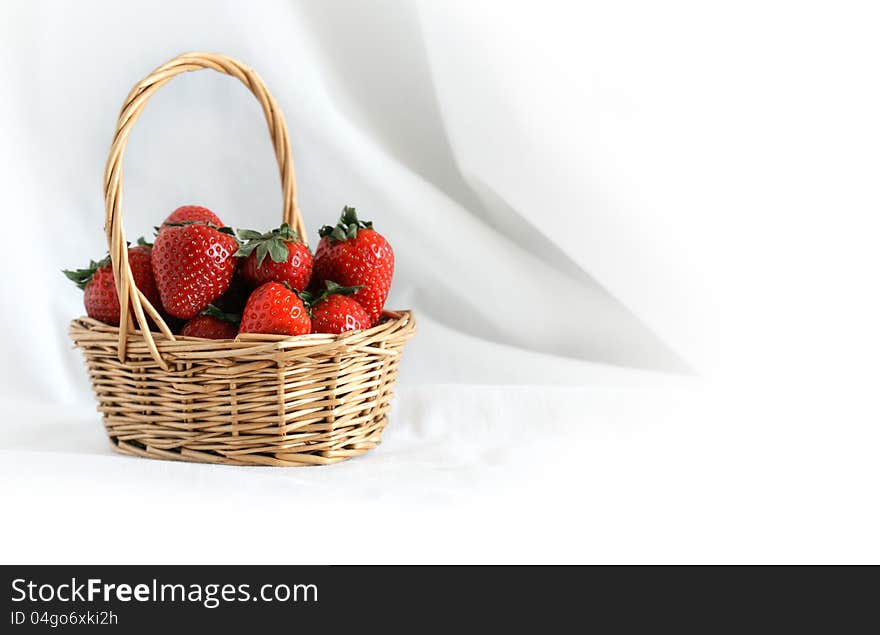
(290, 259)
(275, 309)
(354, 254)
(193, 263)
(193, 213)
(100, 298)
(212, 324)
(334, 312)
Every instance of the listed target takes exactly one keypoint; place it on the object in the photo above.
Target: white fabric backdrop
(574, 195)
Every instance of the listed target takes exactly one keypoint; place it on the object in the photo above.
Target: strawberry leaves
(272, 244)
(214, 312)
(310, 300)
(81, 277)
(347, 227)
(183, 223)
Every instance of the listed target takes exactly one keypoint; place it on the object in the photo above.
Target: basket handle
(113, 225)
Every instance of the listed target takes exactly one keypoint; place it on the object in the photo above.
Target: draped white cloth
(566, 189)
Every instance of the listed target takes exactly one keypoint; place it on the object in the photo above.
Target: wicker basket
(258, 399)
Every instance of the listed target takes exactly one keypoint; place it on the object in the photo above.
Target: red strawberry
(275, 309)
(193, 264)
(355, 254)
(193, 213)
(290, 259)
(212, 324)
(334, 312)
(100, 298)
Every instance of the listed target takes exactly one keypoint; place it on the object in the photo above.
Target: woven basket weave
(256, 400)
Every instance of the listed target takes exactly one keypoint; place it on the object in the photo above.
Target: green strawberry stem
(346, 228)
(273, 243)
(331, 288)
(214, 312)
(337, 289)
(184, 223)
(81, 277)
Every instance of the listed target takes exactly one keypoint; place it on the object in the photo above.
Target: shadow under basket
(257, 400)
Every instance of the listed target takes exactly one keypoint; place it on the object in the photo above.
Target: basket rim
(399, 325)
